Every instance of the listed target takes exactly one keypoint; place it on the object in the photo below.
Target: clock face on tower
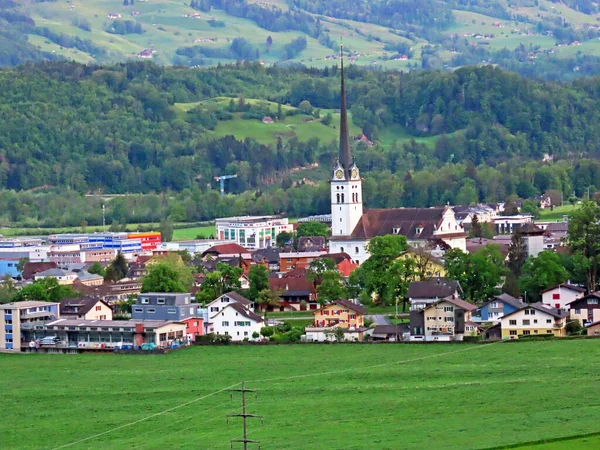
(339, 174)
(354, 173)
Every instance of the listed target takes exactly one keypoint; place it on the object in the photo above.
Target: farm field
(311, 396)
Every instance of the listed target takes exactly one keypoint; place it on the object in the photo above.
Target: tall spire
(345, 155)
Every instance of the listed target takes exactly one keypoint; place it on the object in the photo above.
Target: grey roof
(391, 329)
(54, 273)
(565, 286)
(83, 305)
(244, 312)
(558, 227)
(238, 298)
(109, 323)
(539, 306)
(507, 298)
(86, 276)
(433, 288)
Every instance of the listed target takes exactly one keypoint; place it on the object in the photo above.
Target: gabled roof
(530, 228)
(83, 305)
(244, 312)
(238, 298)
(311, 243)
(337, 257)
(387, 330)
(406, 221)
(570, 287)
(585, 297)
(508, 299)
(299, 286)
(539, 306)
(350, 305)
(459, 303)
(270, 254)
(86, 276)
(433, 288)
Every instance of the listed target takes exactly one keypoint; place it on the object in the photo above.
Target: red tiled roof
(290, 284)
(32, 268)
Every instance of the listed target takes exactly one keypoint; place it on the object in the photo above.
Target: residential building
(164, 306)
(61, 276)
(297, 260)
(534, 239)
(534, 319)
(17, 320)
(34, 254)
(423, 293)
(296, 291)
(30, 269)
(496, 308)
(562, 295)
(78, 334)
(237, 321)
(252, 232)
(8, 266)
(227, 299)
(391, 333)
(343, 263)
(87, 308)
(586, 309)
(448, 319)
(111, 292)
(311, 243)
(340, 313)
(267, 256)
(427, 265)
(593, 329)
(224, 249)
(194, 327)
(474, 244)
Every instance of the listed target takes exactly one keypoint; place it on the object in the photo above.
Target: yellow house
(448, 319)
(534, 319)
(427, 265)
(340, 313)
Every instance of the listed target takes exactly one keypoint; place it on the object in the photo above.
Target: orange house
(341, 313)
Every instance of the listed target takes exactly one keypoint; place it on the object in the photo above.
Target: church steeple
(345, 157)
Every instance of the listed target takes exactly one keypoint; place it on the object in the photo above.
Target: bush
(473, 338)
(267, 331)
(255, 335)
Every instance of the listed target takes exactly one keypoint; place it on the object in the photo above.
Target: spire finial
(345, 156)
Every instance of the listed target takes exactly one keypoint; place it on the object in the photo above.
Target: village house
(165, 306)
(311, 244)
(426, 292)
(268, 257)
(448, 319)
(30, 269)
(89, 279)
(427, 265)
(297, 260)
(343, 262)
(296, 291)
(534, 319)
(237, 321)
(227, 299)
(562, 295)
(585, 309)
(593, 329)
(496, 308)
(342, 314)
(87, 308)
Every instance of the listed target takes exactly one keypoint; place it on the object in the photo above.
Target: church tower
(346, 185)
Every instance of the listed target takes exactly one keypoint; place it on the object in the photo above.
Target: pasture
(435, 396)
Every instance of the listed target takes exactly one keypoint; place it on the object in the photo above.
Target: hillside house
(534, 319)
(586, 309)
(86, 308)
(448, 319)
(496, 308)
(237, 321)
(342, 314)
(227, 299)
(62, 276)
(423, 293)
(562, 295)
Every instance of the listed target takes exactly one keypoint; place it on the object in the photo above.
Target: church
(352, 227)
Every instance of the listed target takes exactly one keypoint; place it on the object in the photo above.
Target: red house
(194, 326)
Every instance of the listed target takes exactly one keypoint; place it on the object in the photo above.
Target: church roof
(345, 154)
(414, 223)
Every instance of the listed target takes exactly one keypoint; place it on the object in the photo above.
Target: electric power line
(244, 417)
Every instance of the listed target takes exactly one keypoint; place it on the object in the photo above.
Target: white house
(236, 321)
(227, 299)
(560, 296)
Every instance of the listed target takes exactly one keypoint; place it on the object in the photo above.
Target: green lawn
(570, 444)
(391, 396)
(186, 234)
(557, 213)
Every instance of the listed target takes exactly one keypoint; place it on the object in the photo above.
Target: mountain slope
(397, 34)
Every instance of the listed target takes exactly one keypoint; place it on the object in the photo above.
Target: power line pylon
(244, 417)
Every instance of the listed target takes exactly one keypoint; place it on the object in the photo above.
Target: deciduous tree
(541, 273)
(583, 237)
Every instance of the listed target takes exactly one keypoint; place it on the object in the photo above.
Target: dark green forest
(70, 129)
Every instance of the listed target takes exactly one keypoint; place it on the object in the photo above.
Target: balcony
(38, 314)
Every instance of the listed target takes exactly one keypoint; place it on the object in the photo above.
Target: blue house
(8, 266)
(496, 308)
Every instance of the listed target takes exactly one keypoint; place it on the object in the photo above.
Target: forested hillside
(139, 128)
(553, 39)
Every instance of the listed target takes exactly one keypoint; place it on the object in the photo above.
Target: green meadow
(318, 397)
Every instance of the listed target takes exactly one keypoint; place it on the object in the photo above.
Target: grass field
(558, 212)
(311, 396)
(186, 234)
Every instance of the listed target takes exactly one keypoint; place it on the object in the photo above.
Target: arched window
(338, 198)
(342, 249)
(356, 250)
(342, 198)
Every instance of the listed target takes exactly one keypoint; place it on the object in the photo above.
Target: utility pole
(244, 417)
(103, 216)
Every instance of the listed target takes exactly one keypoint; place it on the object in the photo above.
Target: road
(378, 319)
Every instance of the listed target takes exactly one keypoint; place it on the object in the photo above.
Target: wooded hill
(141, 128)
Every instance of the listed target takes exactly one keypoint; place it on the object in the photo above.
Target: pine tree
(517, 254)
(476, 230)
